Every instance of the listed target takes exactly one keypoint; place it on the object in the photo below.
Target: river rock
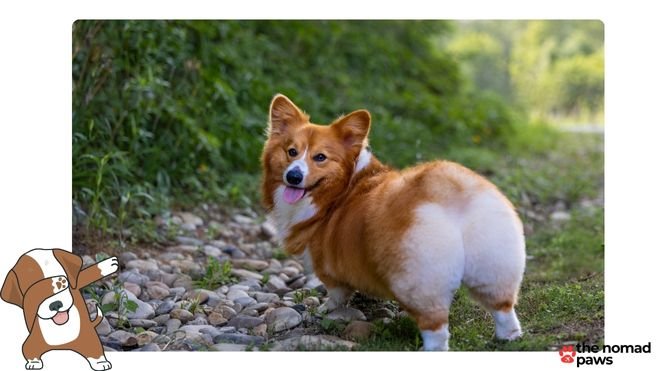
(283, 318)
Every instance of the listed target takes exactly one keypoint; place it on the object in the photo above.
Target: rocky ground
(223, 285)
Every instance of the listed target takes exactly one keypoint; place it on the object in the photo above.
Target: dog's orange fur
(347, 252)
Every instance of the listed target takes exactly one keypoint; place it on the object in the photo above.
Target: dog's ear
(71, 264)
(353, 129)
(11, 292)
(284, 115)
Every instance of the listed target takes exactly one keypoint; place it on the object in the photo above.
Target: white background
(35, 164)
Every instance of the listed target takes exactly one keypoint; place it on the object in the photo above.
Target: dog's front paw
(109, 266)
(99, 364)
(34, 364)
(328, 306)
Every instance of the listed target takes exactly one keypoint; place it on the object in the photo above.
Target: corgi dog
(413, 235)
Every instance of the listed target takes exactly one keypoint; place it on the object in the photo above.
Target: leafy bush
(168, 113)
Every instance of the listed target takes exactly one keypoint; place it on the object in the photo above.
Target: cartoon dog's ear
(11, 293)
(71, 264)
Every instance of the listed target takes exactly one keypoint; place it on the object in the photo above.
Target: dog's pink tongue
(293, 195)
(61, 318)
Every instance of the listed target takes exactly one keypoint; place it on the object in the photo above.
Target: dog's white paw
(109, 266)
(34, 364)
(507, 325)
(99, 364)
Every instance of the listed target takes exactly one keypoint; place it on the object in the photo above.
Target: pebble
(268, 229)
(125, 338)
(266, 297)
(133, 276)
(151, 347)
(157, 292)
(141, 322)
(165, 307)
(142, 265)
(228, 347)
(143, 310)
(104, 327)
(275, 283)
(283, 318)
(250, 264)
(133, 287)
(234, 294)
(241, 321)
(190, 218)
(213, 251)
(246, 275)
(358, 330)
(145, 337)
(313, 342)
(127, 256)
(261, 330)
(182, 314)
(346, 314)
(225, 311)
(383, 313)
(245, 301)
(173, 325)
(161, 319)
(216, 319)
(238, 339)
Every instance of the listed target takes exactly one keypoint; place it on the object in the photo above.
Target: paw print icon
(567, 354)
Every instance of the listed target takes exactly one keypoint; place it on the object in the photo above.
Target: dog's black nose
(55, 306)
(294, 176)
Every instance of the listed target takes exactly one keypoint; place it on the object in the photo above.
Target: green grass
(216, 275)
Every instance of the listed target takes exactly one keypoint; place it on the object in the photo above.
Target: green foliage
(172, 113)
(551, 69)
(216, 274)
(399, 334)
(121, 305)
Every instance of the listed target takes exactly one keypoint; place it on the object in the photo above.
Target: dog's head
(301, 159)
(40, 283)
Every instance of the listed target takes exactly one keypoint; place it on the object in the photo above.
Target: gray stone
(216, 319)
(241, 321)
(246, 301)
(161, 319)
(346, 314)
(225, 311)
(177, 292)
(259, 307)
(191, 218)
(145, 337)
(126, 256)
(171, 255)
(173, 325)
(234, 294)
(133, 287)
(104, 327)
(313, 342)
(184, 281)
(246, 275)
(213, 251)
(141, 322)
(157, 292)
(142, 265)
(238, 339)
(228, 347)
(275, 283)
(151, 347)
(268, 229)
(189, 241)
(182, 314)
(165, 307)
(198, 321)
(265, 297)
(250, 264)
(283, 318)
(383, 313)
(311, 301)
(125, 338)
(133, 276)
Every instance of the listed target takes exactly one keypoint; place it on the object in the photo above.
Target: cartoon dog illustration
(46, 285)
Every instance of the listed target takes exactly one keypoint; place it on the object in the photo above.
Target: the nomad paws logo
(568, 353)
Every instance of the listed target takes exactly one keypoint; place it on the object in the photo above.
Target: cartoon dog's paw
(99, 364)
(109, 266)
(60, 283)
(34, 364)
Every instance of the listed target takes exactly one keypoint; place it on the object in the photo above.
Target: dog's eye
(292, 152)
(319, 157)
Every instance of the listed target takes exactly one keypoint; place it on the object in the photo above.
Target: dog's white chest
(57, 335)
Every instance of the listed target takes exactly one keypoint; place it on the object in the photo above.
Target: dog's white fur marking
(34, 364)
(363, 160)
(99, 364)
(434, 260)
(302, 164)
(49, 265)
(108, 266)
(507, 325)
(285, 215)
(64, 297)
(436, 340)
(54, 334)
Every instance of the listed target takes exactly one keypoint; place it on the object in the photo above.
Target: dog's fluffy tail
(99, 317)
